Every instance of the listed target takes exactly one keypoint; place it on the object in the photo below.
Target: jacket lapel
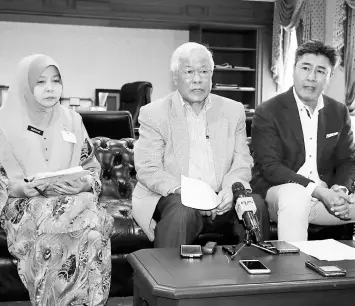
(180, 134)
(218, 132)
(322, 121)
(292, 117)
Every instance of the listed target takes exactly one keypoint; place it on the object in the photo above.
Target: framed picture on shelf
(109, 98)
(3, 93)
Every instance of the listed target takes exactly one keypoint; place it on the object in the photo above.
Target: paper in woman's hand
(197, 194)
(70, 174)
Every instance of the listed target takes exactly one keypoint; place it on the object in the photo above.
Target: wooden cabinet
(237, 56)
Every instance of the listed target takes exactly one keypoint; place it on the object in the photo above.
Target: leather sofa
(118, 179)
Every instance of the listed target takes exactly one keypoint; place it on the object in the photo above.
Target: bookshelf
(237, 56)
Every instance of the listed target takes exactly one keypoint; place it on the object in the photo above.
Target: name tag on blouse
(69, 137)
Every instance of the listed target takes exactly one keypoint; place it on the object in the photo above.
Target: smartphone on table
(326, 268)
(190, 251)
(254, 266)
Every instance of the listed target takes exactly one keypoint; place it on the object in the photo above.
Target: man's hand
(71, 187)
(225, 200)
(343, 212)
(337, 202)
(209, 213)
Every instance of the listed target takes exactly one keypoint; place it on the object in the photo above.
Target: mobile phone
(210, 247)
(326, 269)
(284, 247)
(254, 266)
(190, 251)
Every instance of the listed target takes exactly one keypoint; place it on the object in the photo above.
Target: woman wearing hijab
(59, 234)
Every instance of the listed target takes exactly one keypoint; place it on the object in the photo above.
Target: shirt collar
(301, 105)
(207, 106)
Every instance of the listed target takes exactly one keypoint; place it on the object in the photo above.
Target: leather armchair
(111, 124)
(133, 96)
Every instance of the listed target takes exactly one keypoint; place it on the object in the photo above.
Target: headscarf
(21, 154)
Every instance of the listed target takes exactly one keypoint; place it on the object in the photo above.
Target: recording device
(231, 250)
(210, 247)
(190, 251)
(245, 208)
(325, 269)
(254, 266)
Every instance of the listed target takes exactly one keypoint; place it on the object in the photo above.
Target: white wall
(93, 57)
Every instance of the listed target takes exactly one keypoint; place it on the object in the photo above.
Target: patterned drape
(287, 15)
(349, 57)
(313, 20)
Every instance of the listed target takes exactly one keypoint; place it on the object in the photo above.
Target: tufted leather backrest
(118, 175)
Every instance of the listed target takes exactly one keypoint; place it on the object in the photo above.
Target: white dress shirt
(201, 164)
(309, 124)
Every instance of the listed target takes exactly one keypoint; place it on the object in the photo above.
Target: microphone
(245, 208)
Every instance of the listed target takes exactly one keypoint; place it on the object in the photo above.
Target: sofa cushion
(128, 236)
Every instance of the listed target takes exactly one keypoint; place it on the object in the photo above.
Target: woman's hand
(27, 188)
(72, 187)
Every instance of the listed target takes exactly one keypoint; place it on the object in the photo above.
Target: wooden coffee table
(163, 278)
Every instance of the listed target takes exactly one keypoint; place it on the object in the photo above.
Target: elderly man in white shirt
(197, 134)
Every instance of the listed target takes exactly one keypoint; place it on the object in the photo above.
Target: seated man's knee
(293, 197)
(176, 209)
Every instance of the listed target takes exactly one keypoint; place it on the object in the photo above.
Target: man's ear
(175, 78)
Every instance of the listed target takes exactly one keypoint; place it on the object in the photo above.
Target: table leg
(137, 299)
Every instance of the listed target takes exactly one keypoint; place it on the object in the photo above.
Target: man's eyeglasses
(190, 73)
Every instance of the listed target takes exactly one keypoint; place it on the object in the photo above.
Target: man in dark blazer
(304, 151)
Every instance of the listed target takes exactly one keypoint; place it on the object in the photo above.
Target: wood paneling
(139, 13)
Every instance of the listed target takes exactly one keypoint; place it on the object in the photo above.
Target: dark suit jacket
(279, 152)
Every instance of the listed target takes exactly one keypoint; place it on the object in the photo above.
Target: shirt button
(46, 149)
(310, 156)
(310, 138)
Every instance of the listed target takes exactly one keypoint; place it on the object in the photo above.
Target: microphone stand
(247, 242)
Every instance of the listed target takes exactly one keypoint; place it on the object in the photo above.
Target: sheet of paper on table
(328, 249)
(197, 194)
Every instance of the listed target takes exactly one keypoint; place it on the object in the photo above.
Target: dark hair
(318, 48)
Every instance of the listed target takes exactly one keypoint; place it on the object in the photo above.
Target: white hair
(184, 51)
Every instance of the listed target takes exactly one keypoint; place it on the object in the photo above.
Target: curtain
(351, 3)
(349, 57)
(287, 15)
(313, 20)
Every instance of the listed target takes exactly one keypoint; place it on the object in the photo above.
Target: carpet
(116, 301)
